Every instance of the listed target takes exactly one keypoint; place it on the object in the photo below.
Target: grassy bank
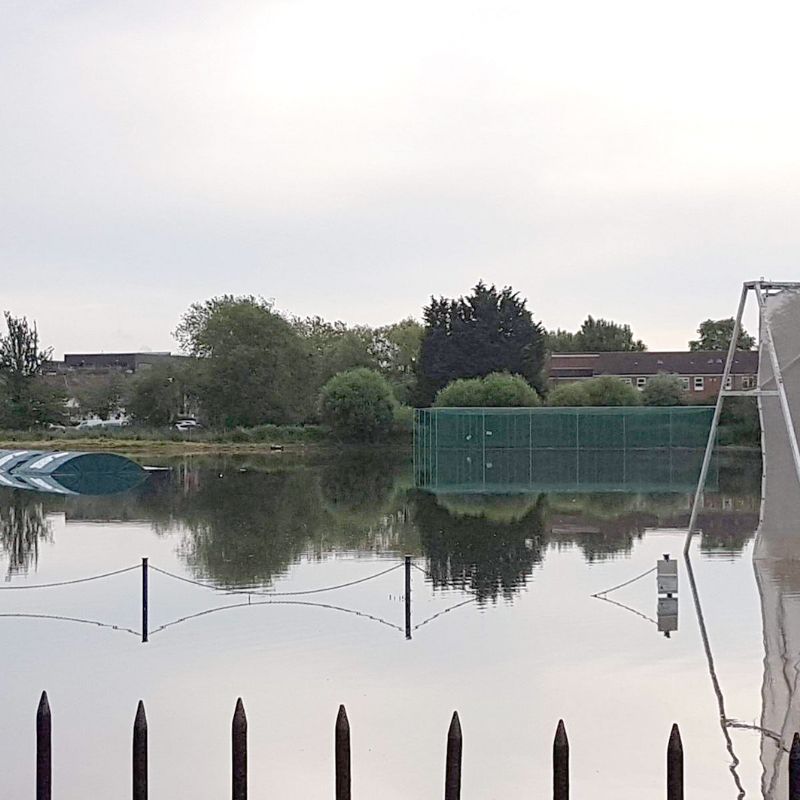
(169, 441)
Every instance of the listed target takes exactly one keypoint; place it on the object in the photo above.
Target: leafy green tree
(101, 395)
(358, 405)
(255, 366)
(498, 390)
(664, 390)
(25, 399)
(601, 391)
(561, 341)
(158, 396)
(603, 336)
(489, 331)
(335, 348)
(594, 336)
(397, 348)
(715, 334)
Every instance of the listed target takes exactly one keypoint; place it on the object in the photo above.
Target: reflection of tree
(357, 481)
(474, 552)
(246, 528)
(23, 524)
(601, 525)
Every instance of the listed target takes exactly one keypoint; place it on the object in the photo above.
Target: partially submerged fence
(263, 597)
(342, 758)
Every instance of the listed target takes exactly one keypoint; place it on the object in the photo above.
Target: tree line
(246, 364)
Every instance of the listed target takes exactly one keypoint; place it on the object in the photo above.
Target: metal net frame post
(761, 290)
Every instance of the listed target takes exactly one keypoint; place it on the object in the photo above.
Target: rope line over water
(72, 582)
(264, 593)
(72, 619)
(626, 583)
(210, 611)
(249, 593)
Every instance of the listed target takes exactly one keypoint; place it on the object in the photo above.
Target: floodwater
(504, 628)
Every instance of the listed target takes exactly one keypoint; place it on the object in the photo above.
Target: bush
(567, 394)
(664, 390)
(601, 391)
(358, 405)
(497, 390)
(403, 420)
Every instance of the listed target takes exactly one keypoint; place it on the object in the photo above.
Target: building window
(641, 382)
(749, 382)
(729, 383)
(627, 380)
(699, 384)
(685, 382)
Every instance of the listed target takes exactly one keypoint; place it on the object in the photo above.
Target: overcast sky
(631, 160)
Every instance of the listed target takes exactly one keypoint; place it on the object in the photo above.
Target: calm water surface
(505, 630)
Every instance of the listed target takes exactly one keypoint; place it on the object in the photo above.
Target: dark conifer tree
(488, 331)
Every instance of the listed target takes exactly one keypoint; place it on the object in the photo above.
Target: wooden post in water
(408, 597)
(239, 753)
(675, 765)
(145, 599)
(794, 769)
(140, 754)
(342, 755)
(561, 763)
(452, 769)
(44, 750)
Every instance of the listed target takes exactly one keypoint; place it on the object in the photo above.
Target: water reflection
(244, 521)
(489, 548)
(23, 526)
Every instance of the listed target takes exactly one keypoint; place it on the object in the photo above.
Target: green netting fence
(594, 449)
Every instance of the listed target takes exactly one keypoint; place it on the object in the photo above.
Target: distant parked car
(102, 424)
(52, 426)
(185, 425)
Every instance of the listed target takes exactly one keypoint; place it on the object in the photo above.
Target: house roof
(700, 362)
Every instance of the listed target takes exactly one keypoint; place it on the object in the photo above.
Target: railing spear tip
(141, 716)
(561, 739)
(44, 704)
(675, 737)
(795, 751)
(455, 726)
(341, 718)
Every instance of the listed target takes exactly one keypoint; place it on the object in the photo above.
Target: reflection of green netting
(630, 448)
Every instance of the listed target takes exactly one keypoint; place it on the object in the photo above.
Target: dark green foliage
(255, 367)
(158, 396)
(739, 423)
(594, 336)
(25, 399)
(715, 334)
(568, 395)
(358, 405)
(101, 396)
(664, 390)
(601, 391)
(499, 390)
(488, 331)
(335, 348)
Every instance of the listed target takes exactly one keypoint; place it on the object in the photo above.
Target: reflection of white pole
(715, 419)
(778, 377)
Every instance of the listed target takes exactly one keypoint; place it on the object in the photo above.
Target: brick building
(700, 371)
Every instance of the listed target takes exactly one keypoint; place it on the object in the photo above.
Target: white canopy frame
(761, 289)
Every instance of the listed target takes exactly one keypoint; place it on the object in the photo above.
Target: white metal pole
(715, 419)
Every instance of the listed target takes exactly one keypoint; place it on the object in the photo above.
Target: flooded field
(281, 580)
